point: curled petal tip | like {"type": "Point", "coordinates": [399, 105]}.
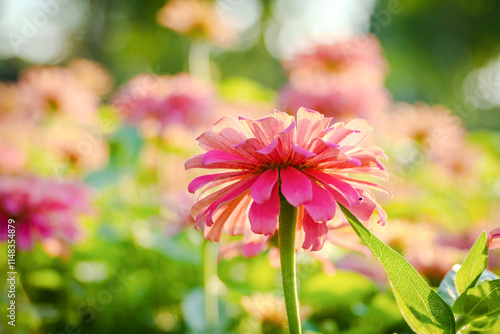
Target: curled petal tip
{"type": "Point", "coordinates": [494, 239]}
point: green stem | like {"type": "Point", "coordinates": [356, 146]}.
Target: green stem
{"type": "Point", "coordinates": [288, 223]}
{"type": "Point", "coordinates": [211, 285]}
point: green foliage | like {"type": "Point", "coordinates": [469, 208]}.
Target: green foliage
{"type": "Point", "coordinates": [422, 308]}
{"type": "Point", "coordinates": [474, 265]}
{"type": "Point", "coordinates": [480, 304]}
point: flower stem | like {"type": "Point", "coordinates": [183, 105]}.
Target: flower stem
{"type": "Point", "coordinates": [287, 226]}
{"type": "Point", "coordinates": [211, 285]}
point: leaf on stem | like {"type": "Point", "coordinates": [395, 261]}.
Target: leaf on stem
{"type": "Point", "coordinates": [422, 308]}
{"type": "Point", "coordinates": [474, 265]}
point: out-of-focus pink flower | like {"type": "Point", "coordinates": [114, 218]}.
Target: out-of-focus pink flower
{"type": "Point", "coordinates": [80, 148]}
{"type": "Point", "coordinates": [41, 209]}
{"type": "Point", "coordinates": [166, 99]}
{"type": "Point", "coordinates": [198, 19]}
{"type": "Point", "coordinates": [55, 90]}
{"type": "Point", "coordinates": [340, 101]}
{"type": "Point", "coordinates": [436, 130]}
{"type": "Point", "coordinates": [342, 80]}
{"type": "Point", "coordinates": [494, 239]}
{"type": "Point", "coordinates": [306, 160]}
{"type": "Point", "coordinates": [430, 249]}
{"type": "Point", "coordinates": [91, 75]}
{"type": "Point", "coordinates": [12, 103]}
{"type": "Point", "coordinates": [15, 142]}
{"type": "Point", "coordinates": [358, 59]}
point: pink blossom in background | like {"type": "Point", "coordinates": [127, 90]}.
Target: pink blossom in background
{"type": "Point", "coordinates": [340, 101]}
{"type": "Point", "coordinates": [166, 99]}
{"type": "Point", "coordinates": [56, 91]}
{"type": "Point", "coordinates": [81, 148]}
{"type": "Point", "coordinates": [91, 75]}
{"type": "Point", "coordinates": [359, 59]}
{"type": "Point", "coordinates": [42, 209]}
{"type": "Point", "coordinates": [198, 19]}
{"type": "Point", "coordinates": [12, 103]}
{"type": "Point", "coordinates": [15, 142]}
{"type": "Point", "coordinates": [343, 80]}
{"type": "Point", "coordinates": [306, 159]}
{"type": "Point", "coordinates": [436, 131]}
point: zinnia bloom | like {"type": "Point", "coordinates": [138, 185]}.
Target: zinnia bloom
{"type": "Point", "coordinates": [93, 76]}
{"type": "Point", "coordinates": [41, 209]}
{"type": "Point", "coordinates": [343, 80]}
{"type": "Point", "coordinates": [55, 90]}
{"type": "Point", "coordinates": [166, 99]}
{"type": "Point", "coordinates": [306, 161]}
{"type": "Point", "coordinates": [198, 19]}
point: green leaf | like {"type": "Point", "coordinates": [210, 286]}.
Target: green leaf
{"type": "Point", "coordinates": [474, 265]}
{"type": "Point", "coordinates": [482, 324]}
{"type": "Point", "coordinates": [448, 289]}
{"type": "Point", "coordinates": [422, 308]}
{"type": "Point", "coordinates": [480, 301]}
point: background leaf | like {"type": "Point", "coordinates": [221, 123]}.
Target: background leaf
{"type": "Point", "coordinates": [422, 308]}
{"type": "Point", "coordinates": [474, 265]}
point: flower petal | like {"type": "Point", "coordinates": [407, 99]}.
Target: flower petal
{"type": "Point", "coordinates": [264, 217]}
{"type": "Point", "coordinates": [262, 188]}
{"type": "Point", "coordinates": [315, 233]}
{"type": "Point", "coordinates": [494, 239]}
{"type": "Point", "coordinates": [347, 190]}
{"type": "Point", "coordinates": [322, 206]}
{"type": "Point", "coordinates": [295, 186]}
{"type": "Point", "coordinates": [200, 181]}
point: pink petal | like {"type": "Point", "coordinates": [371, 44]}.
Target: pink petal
{"type": "Point", "coordinates": [315, 233]}
{"type": "Point", "coordinates": [344, 188]}
{"type": "Point", "coordinates": [295, 186]}
{"type": "Point", "coordinates": [262, 188]}
{"type": "Point", "coordinates": [494, 239]}
{"type": "Point", "coordinates": [252, 249]}
{"type": "Point", "coordinates": [214, 156]}
{"type": "Point", "coordinates": [200, 181]}
{"type": "Point", "coordinates": [264, 217]}
{"type": "Point", "coordinates": [230, 129]}
{"type": "Point", "coordinates": [322, 206]}
{"type": "Point", "coordinates": [234, 191]}
{"type": "Point", "coordinates": [362, 129]}
{"type": "Point", "coordinates": [264, 129]}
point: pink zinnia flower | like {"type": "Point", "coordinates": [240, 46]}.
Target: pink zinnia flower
{"type": "Point", "coordinates": [93, 76]}
{"type": "Point", "coordinates": [357, 59]}
{"type": "Point", "coordinates": [306, 161]}
{"type": "Point", "coordinates": [166, 99]}
{"type": "Point", "coordinates": [55, 90]}
{"type": "Point", "coordinates": [198, 19]}
{"type": "Point", "coordinates": [41, 209]}
{"type": "Point", "coordinates": [343, 80]}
